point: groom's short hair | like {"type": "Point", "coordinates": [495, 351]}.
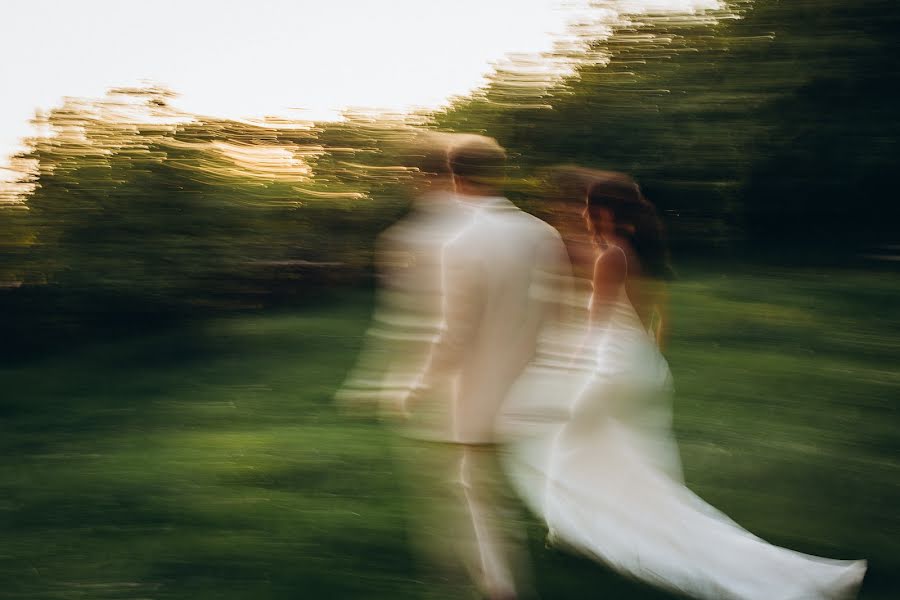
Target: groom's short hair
{"type": "Point", "coordinates": [479, 159]}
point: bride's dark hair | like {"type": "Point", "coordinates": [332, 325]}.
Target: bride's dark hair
{"type": "Point", "coordinates": [636, 219]}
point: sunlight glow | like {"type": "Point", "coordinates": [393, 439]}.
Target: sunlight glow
{"type": "Point", "coordinates": [297, 59]}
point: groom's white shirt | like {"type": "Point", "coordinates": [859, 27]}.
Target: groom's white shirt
{"type": "Point", "coordinates": [501, 275]}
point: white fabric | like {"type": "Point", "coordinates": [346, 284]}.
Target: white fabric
{"type": "Point", "coordinates": [499, 277]}
{"type": "Point", "coordinates": [500, 274]}
{"type": "Point", "coordinates": [607, 480]}
{"type": "Point", "coordinates": [408, 315]}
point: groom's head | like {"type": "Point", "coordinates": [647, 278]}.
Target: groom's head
{"type": "Point", "coordinates": [478, 165]}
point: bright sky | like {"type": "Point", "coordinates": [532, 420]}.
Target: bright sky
{"type": "Point", "coordinates": [250, 58]}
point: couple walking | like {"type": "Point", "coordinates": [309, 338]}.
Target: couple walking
{"type": "Point", "coordinates": [480, 343]}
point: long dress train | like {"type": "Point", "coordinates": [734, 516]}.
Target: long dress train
{"type": "Point", "coordinates": [607, 480]}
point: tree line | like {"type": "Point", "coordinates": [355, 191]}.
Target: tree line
{"type": "Point", "coordinates": [771, 124]}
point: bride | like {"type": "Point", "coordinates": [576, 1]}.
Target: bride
{"type": "Point", "coordinates": [607, 478]}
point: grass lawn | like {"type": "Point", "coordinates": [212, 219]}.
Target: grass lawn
{"type": "Point", "coordinates": [210, 462]}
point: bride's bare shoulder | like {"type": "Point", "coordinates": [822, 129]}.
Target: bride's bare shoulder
{"type": "Point", "coordinates": [611, 266]}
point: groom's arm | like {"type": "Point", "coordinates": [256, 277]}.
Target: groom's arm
{"type": "Point", "coordinates": [553, 287]}
{"type": "Point", "coordinates": [462, 292]}
{"type": "Point", "coordinates": [552, 284]}
{"type": "Point", "coordinates": [365, 385]}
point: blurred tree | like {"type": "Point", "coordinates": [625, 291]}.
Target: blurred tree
{"type": "Point", "coordinates": [762, 122]}
{"type": "Point", "coordinates": [824, 171]}
{"type": "Point", "coordinates": [132, 197]}
{"type": "Point", "coordinates": [769, 123]}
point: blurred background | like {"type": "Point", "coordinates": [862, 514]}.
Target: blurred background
{"type": "Point", "coordinates": [189, 201]}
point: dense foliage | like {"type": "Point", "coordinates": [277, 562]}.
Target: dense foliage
{"type": "Point", "coordinates": [769, 124]}
{"type": "Point", "coordinates": [778, 126]}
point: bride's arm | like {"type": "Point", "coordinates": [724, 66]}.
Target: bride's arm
{"type": "Point", "coordinates": [610, 271]}
{"type": "Point", "coordinates": [609, 274]}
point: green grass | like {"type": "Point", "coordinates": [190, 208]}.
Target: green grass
{"type": "Point", "coordinates": [210, 462]}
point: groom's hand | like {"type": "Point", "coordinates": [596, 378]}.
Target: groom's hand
{"type": "Point", "coordinates": [356, 401]}
{"type": "Point", "coordinates": [412, 400]}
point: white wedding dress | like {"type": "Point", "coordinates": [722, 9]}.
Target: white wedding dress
{"type": "Point", "coordinates": [607, 480]}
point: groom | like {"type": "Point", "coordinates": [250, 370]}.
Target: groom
{"type": "Point", "coordinates": [498, 288]}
